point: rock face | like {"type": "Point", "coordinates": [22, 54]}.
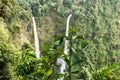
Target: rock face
{"type": "Point", "coordinates": [51, 26]}
{"type": "Point", "coordinates": [25, 37]}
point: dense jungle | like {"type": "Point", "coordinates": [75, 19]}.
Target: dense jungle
{"type": "Point", "coordinates": [93, 36]}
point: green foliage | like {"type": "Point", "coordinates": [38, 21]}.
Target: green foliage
{"type": "Point", "coordinates": [4, 33]}
{"type": "Point", "coordinates": [109, 73]}
{"type": "Point", "coordinates": [77, 44]}
{"type": "Point", "coordinates": [9, 8]}
{"type": "Point", "coordinates": [94, 56]}
{"type": "Point", "coordinates": [28, 67]}
{"type": "Point", "coordinates": [5, 60]}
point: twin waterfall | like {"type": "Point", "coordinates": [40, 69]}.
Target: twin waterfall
{"type": "Point", "coordinates": [66, 49]}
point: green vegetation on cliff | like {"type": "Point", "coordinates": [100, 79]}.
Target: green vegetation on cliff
{"type": "Point", "coordinates": [94, 56]}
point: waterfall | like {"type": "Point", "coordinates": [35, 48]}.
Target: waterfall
{"type": "Point", "coordinates": [66, 49]}
{"type": "Point", "coordinates": [36, 40]}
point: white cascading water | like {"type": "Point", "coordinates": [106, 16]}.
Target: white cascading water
{"type": "Point", "coordinates": [36, 40]}
{"type": "Point", "coordinates": [66, 49]}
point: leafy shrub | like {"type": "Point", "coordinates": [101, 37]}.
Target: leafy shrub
{"type": "Point", "coordinates": [5, 59]}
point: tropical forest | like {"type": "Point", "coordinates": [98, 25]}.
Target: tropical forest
{"type": "Point", "coordinates": [59, 39]}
